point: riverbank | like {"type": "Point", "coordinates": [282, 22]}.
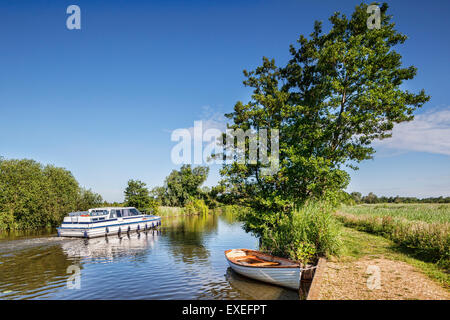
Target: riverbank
{"type": "Point", "coordinates": [373, 268]}
{"type": "Point", "coordinates": [422, 229]}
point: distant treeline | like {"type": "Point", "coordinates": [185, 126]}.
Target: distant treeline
{"type": "Point", "coordinates": [373, 198]}
{"type": "Point", "coordinates": [33, 195]}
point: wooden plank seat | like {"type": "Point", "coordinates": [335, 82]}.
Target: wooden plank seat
{"type": "Point", "coordinates": [255, 261]}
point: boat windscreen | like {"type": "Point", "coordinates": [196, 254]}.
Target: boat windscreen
{"type": "Point", "coordinates": [78, 213]}
{"type": "Point", "coordinates": [98, 212]}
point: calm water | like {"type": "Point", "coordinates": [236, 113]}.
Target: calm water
{"type": "Point", "coordinates": [183, 260]}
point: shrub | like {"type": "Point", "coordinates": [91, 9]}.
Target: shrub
{"type": "Point", "coordinates": [310, 232]}
{"type": "Point", "coordinates": [153, 207]}
{"type": "Point", "coordinates": [195, 206]}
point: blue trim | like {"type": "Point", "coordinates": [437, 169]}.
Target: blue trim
{"type": "Point", "coordinates": [111, 225]}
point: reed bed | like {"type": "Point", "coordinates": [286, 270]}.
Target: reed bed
{"type": "Point", "coordinates": [430, 212]}
{"type": "Point", "coordinates": [164, 211]}
{"type": "Point", "coordinates": [426, 233]}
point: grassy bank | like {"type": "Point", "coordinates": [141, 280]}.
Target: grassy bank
{"type": "Point", "coordinates": [356, 245]}
{"type": "Point", "coordinates": [401, 276]}
{"type": "Point", "coordinates": [422, 229]}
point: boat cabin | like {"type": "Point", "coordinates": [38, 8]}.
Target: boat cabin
{"type": "Point", "coordinates": [100, 214]}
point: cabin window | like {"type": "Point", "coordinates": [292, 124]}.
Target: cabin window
{"type": "Point", "coordinates": [126, 212]}
{"type": "Point", "coordinates": [113, 214]}
{"type": "Point", "coordinates": [134, 212]}
{"type": "Point", "coordinates": [119, 213]}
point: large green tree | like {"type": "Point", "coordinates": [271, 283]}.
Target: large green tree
{"type": "Point", "coordinates": [33, 195]}
{"type": "Point", "coordinates": [137, 195]}
{"type": "Point", "coordinates": [338, 93]}
{"type": "Point", "coordinates": [181, 185]}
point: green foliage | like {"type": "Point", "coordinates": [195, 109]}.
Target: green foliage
{"type": "Point", "coordinates": [88, 199]}
{"type": "Point", "coordinates": [153, 207]}
{"type": "Point", "coordinates": [338, 93]}
{"type": "Point", "coordinates": [33, 195]}
{"type": "Point", "coordinates": [356, 196]}
{"type": "Point", "coordinates": [195, 206]}
{"type": "Point", "coordinates": [182, 185]}
{"type": "Point", "coordinates": [138, 196]}
{"type": "Point", "coordinates": [309, 233]}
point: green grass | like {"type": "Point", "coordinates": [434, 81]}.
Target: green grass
{"type": "Point", "coordinates": [357, 244]}
{"type": "Point", "coordinates": [422, 229]}
{"type": "Point", "coordinates": [433, 212]}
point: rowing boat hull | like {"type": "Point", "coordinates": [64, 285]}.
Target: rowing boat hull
{"type": "Point", "coordinates": [285, 277]}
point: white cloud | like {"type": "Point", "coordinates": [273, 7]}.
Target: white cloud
{"type": "Point", "coordinates": [428, 132]}
{"type": "Point", "coordinates": [210, 119]}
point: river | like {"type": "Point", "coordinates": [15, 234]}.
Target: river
{"type": "Point", "coordinates": [184, 259]}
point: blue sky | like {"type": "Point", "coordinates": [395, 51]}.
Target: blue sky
{"type": "Point", "coordinates": [102, 101]}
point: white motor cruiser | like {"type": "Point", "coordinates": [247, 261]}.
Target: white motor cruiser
{"type": "Point", "coordinates": [104, 221]}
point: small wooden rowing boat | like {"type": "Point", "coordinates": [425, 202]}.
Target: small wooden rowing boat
{"type": "Point", "coordinates": [265, 267]}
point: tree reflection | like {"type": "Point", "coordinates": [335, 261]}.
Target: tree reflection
{"type": "Point", "coordinates": [30, 271]}
{"type": "Point", "coordinates": [186, 236]}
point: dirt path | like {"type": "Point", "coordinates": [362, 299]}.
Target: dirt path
{"type": "Point", "coordinates": [374, 278]}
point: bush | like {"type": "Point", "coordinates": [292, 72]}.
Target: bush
{"type": "Point", "coordinates": [310, 232]}
{"type": "Point", "coordinates": [152, 207]}
{"type": "Point", "coordinates": [195, 206]}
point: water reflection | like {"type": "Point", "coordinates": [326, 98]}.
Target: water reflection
{"type": "Point", "coordinates": [31, 270]}
{"type": "Point", "coordinates": [182, 260]}
{"type": "Point", "coordinates": [186, 237]}
{"type": "Point", "coordinates": [109, 248]}
{"type": "Point", "coordinates": [256, 290]}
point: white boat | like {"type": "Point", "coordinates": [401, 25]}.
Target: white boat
{"type": "Point", "coordinates": [104, 221]}
{"type": "Point", "coordinates": [264, 267]}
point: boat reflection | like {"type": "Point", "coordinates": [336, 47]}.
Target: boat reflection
{"type": "Point", "coordinates": [252, 289]}
{"type": "Point", "coordinates": [112, 247]}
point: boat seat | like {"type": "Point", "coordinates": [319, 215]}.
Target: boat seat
{"type": "Point", "coordinates": [236, 254]}
{"type": "Point", "coordinates": [255, 261]}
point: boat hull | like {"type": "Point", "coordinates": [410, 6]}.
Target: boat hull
{"type": "Point", "coordinates": [285, 277]}
{"type": "Point", "coordinates": [108, 227]}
